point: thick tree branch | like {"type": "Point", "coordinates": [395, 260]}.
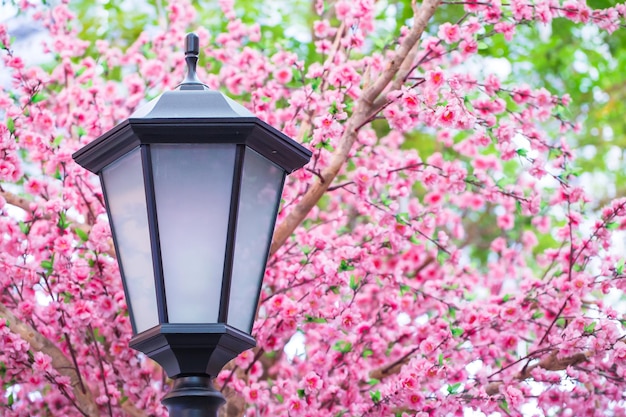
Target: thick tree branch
{"type": "Point", "coordinates": [15, 200]}
{"type": "Point", "coordinates": [363, 110]}
{"type": "Point", "coordinates": [550, 363]}
{"type": "Point", "coordinates": [132, 411]}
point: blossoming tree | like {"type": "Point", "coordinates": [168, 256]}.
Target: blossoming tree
{"type": "Point", "coordinates": [439, 254]}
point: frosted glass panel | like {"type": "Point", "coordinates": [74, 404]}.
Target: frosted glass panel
{"type": "Point", "coordinates": [260, 192]}
{"type": "Point", "coordinates": [192, 185]}
{"type": "Point", "coordinates": [123, 181]}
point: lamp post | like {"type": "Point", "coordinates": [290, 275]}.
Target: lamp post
{"type": "Point", "coordinates": [192, 183]}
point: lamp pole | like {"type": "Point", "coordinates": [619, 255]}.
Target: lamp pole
{"type": "Point", "coordinates": [192, 184]}
{"type": "Point", "coordinates": [193, 396]}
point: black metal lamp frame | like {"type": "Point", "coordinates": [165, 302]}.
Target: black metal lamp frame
{"type": "Point", "coordinates": [192, 354]}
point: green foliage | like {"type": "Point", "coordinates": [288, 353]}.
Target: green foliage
{"type": "Point", "coordinates": [342, 346]}
{"type": "Point", "coordinates": [82, 235]}
{"type": "Point", "coordinates": [345, 266]}
{"type": "Point", "coordinates": [454, 388]}
{"type": "Point", "coordinates": [589, 328]}
{"type": "Point", "coordinates": [456, 331]}
{"type": "Point", "coordinates": [375, 396]}
{"type": "Point", "coordinates": [117, 22]}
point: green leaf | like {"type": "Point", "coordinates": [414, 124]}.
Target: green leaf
{"type": "Point", "coordinates": [373, 381]}
{"type": "Point", "coordinates": [57, 141]}
{"type": "Point", "coordinates": [367, 352]}
{"type": "Point", "coordinates": [403, 218]}
{"type": "Point", "coordinates": [554, 153]}
{"type": "Point", "coordinates": [375, 396]}
{"type": "Point", "coordinates": [280, 398]}
{"type": "Point", "coordinates": [506, 298]}
{"type": "Point", "coordinates": [414, 240]}
{"type": "Point", "coordinates": [404, 289]}
{"type": "Point", "coordinates": [537, 314]}
{"type": "Point", "coordinates": [456, 331]}
{"type": "Point", "coordinates": [10, 400]}
{"type": "Point", "coordinates": [96, 334]}
{"type": "Point", "coordinates": [345, 266]}
{"type": "Point", "coordinates": [469, 296]}
{"type": "Point", "coordinates": [354, 283]}
{"type": "Point", "coordinates": [522, 152]}
{"type": "Point", "coordinates": [328, 146]}
{"type": "Point", "coordinates": [612, 225]}
{"type": "Point", "coordinates": [589, 328]}
{"type": "Point", "coordinates": [82, 235]}
{"type": "Point", "coordinates": [301, 393]}
{"type": "Point", "coordinates": [452, 389]}
{"type": "Point", "coordinates": [619, 267]}
{"type": "Point", "coordinates": [503, 182]}
{"type": "Point", "coordinates": [576, 171]}
{"type": "Point", "coordinates": [454, 286]}
{"type": "Point", "coordinates": [440, 359]}
{"type": "Point", "coordinates": [504, 406]}
{"type": "Point", "coordinates": [57, 174]}
{"type": "Point", "coordinates": [11, 125]}
{"type": "Point", "coordinates": [442, 256]}
{"type": "Point", "coordinates": [38, 97]}
{"type": "Point", "coordinates": [343, 346]}
{"type": "Point", "coordinates": [47, 264]}
{"type": "Point", "coordinates": [63, 223]}
{"type": "Point", "coordinates": [311, 319]}
{"type": "Point", "coordinates": [24, 227]}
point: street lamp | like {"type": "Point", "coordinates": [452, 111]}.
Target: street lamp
{"type": "Point", "coordinates": [192, 183]}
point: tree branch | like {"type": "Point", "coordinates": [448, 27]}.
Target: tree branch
{"type": "Point", "coordinates": [363, 110]}
{"type": "Point", "coordinates": [15, 200]}
{"type": "Point", "coordinates": [551, 363]}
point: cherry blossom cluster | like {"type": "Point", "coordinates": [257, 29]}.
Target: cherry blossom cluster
{"type": "Point", "coordinates": [454, 263]}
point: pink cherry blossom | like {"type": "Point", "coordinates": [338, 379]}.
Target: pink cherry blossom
{"type": "Point", "coordinates": [448, 255]}
{"type": "Point", "coordinates": [450, 33]}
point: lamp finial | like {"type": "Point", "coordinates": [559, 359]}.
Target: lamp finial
{"type": "Point", "coordinates": [192, 49]}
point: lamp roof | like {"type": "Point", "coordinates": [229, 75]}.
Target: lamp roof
{"type": "Point", "coordinates": [193, 113]}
